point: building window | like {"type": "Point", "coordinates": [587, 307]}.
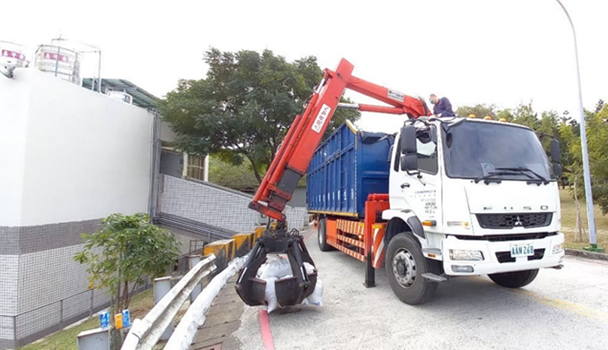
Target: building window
{"type": "Point", "coordinates": [196, 167]}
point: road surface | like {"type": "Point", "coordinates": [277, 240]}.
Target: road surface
{"type": "Point", "coordinates": [561, 309]}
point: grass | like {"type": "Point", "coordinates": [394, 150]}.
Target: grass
{"type": "Point", "coordinates": [66, 339]}
{"type": "Point", "coordinates": [569, 222]}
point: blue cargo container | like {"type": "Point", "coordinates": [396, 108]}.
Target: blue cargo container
{"type": "Point", "coordinates": [347, 167]}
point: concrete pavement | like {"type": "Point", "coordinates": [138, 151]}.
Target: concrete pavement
{"type": "Point", "coordinates": [561, 309]}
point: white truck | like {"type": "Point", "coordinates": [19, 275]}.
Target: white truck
{"type": "Point", "coordinates": [470, 197]}
{"type": "Point", "coordinates": [439, 198]}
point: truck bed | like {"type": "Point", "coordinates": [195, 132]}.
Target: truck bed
{"type": "Point", "coordinates": [345, 168]}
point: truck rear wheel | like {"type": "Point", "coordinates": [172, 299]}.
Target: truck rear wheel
{"type": "Point", "coordinates": [322, 236]}
{"type": "Point", "coordinates": [514, 279]}
{"type": "Point", "coordinates": [405, 265]}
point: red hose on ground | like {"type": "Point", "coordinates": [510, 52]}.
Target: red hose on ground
{"type": "Point", "coordinates": [265, 329]}
{"type": "Point", "coordinates": [265, 321]}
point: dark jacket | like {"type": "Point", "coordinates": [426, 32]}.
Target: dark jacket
{"type": "Point", "coordinates": [443, 107]}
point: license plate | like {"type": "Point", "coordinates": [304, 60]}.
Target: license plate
{"type": "Point", "coordinates": [518, 250]}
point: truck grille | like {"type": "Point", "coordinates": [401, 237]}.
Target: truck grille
{"type": "Point", "coordinates": [502, 221]}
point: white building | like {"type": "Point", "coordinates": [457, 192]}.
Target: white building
{"type": "Point", "coordinates": [71, 156]}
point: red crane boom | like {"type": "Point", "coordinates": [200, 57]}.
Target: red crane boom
{"type": "Point", "coordinates": [305, 134]}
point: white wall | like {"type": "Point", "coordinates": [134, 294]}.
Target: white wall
{"type": "Point", "coordinates": [14, 96]}
{"type": "Point", "coordinates": [166, 133]}
{"type": "Point", "coordinates": [85, 155]}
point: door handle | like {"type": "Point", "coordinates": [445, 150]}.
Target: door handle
{"type": "Point", "coordinates": [405, 184]}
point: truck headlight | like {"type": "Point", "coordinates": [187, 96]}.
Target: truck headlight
{"type": "Point", "coordinates": [558, 248]}
{"type": "Point", "coordinates": [458, 254]}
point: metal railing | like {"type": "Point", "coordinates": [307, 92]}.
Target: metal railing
{"type": "Point", "coordinates": [195, 316]}
{"type": "Point", "coordinates": [26, 327]}
{"type": "Point", "coordinates": [145, 334]}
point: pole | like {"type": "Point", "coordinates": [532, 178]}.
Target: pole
{"type": "Point", "coordinates": [206, 169]}
{"type": "Point", "coordinates": [99, 71]}
{"type": "Point", "coordinates": [586, 171]}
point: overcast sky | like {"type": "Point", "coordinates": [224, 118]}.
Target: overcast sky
{"type": "Point", "coordinates": [472, 51]}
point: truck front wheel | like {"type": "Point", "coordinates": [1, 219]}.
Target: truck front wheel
{"type": "Point", "coordinates": [405, 265]}
{"type": "Point", "coordinates": [514, 279]}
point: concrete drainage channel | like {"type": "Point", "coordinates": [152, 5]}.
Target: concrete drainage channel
{"type": "Point", "coordinates": [588, 255]}
{"type": "Point", "coordinates": [224, 258]}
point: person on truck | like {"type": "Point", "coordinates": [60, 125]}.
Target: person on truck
{"type": "Point", "coordinates": [442, 106]}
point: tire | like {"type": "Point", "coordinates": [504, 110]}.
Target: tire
{"type": "Point", "coordinates": [516, 279]}
{"type": "Point", "coordinates": [405, 265]}
{"type": "Point", "coordinates": [322, 236]}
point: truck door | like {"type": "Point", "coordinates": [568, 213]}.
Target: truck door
{"type": "Point", "coordinates": [419, 191]}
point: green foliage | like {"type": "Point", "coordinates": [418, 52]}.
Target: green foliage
{"type": "Point", "coordinates": [237, 177]}
{"type": "Point", "coordinates": [126, 250]}
{"type": "Point", "coordinates": [244, 106]}
{"type": "Point", "coordinates": [525, 115]}
{"type": "Point", "coordinates": [479, 110]}
{"type": "Point", "coordinates": [597, 144]}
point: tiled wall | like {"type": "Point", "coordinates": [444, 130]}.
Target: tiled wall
{"type": "Point", "coordinates": [8, 281]}
{"type": "Point", "coordinates": [30, 239]}
{"type": "Point", "coordinates": [48, 276]}
{"type": "Point", "coordinates": [37, 272]}
{"type": "Point", "coordinates": [216, 206]}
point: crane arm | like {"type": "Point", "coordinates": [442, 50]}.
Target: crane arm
{"type": "Point", "coordinates": [306, 132]}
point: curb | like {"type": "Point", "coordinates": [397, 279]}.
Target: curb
{"type": "Point", "coordinates": [586, 254]}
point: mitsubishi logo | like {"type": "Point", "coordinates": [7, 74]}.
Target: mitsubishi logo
{"type": "Point", "coordinates": [518, 222]}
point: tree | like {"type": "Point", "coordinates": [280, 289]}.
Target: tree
{"type": "Point", "coordinates": [505, 114]}
{"type": "Point", "coordinates": [479, 110]}
{"type": "Point", "coordinates": [525, 115]}
{"type": "Point", "coordinates": [600, 104]}
{"type": "Point", "coordinates": [237, 177]}
{"type": "Point", "coordinates": [597, 144]}
{"type": "Point", "coordinates": [126, 250]}
{"type": "Point", "coordinates": [548, 128]}
{"type": "Point", "coordinates": [244, 106]}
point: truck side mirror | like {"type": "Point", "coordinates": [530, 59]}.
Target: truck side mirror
{"type": "Point", "coordinates": [555, 153]}
{"type": "Point", "coordinates": [409, 149]}
{"type": "Point", "coordinates": [408, 140]}
{"type": "Point", "coordinates": [557, 170]}
{"type": "Point", "coordinates": [409, 162]}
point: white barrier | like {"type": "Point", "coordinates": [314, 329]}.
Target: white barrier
{"type": "Point", "coordinates": [195, 316]}
{"type": "Point", "coordinates": [145, 333]}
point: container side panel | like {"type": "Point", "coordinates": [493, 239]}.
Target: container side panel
{"type": "Point", "coordinates": [345, 169]}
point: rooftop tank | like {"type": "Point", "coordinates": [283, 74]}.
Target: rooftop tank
{"type": "Point", "coordinates": [59, 61]}
{"type": "Point", "coordinates": [11, 54]}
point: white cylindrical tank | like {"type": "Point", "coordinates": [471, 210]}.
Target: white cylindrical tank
{"type": "Point", "coordinates": [121, 96]}
{"type": "Point", "coordinates": [59, 61]}
{"type": "Point", "coordinates": [11, 54]}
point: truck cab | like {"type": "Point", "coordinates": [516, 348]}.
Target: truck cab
{"type": "Point", "coordinates": [473, 197]}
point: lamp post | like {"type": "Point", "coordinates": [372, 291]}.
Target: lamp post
{"type": "Point", "coordinates": [98, 51]}
{"type": "Point", "coordinates": [586, 171]}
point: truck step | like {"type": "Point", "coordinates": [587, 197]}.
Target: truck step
{"type": "Point", "coordinates": [433, 277]}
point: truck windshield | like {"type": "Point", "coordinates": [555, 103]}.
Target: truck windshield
{"type": "Point", "coordinates": [502, 151]}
